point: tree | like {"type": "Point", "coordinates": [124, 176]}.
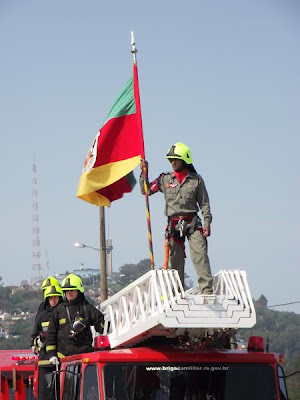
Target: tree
{"type": "Point", "coordinates": [262, 301]}
{"type": "Point", "coordinates": [131, 272]}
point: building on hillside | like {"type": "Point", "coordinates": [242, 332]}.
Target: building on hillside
{"type": "Point", "coordinates": [86, 272]}
{"type": "Point", "coordinates": [5, 316]}
{"type": "Point", "coordinates": [4, 333]}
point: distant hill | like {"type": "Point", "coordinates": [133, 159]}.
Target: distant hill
{"type": "Point", "coordinates": [282, 331]}
{"type": "Point", "coordinates": [280, 328]}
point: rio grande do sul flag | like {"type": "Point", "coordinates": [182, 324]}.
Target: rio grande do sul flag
{"type": "Point", "coordinates": [116, 150]}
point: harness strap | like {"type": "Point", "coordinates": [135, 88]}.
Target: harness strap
{"type": "Point", "coordinates": [182, 226]}
{"type": "Point", "coordinates": [69, 317]}
{"type": "Point", "coordinates": [80, 318]}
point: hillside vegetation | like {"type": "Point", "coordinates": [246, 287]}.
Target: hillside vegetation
{"type": "Point", "coordinates": [281, 330]}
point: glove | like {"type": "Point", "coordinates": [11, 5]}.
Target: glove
{"type": "Point", "coordinates": [54, 360]}
{"type": "Point", "coordinates": [35, 350]}
{"type": "Point", "coordinates": [39, 342]}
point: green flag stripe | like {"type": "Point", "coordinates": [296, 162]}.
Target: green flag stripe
{"type": "Point", "coordinates": [125, 103]}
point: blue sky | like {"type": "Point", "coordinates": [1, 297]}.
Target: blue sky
{"type": "Point", "coordinates": [222, 76]}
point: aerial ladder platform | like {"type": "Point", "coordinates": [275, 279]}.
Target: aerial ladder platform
{"type": "Point", "coordinates": [156, 304]}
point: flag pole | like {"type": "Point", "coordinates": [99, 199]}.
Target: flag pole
{"type": "Point", "coordinates": [145, 172]}
{"type": "Point", "coordinates": [103, 258]}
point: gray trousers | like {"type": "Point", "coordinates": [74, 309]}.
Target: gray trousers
{"type": "Point", "coordinates": [198, 251]}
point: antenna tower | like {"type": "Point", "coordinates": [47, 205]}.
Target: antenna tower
{"type": "Point", "coordinates": [36, 253]}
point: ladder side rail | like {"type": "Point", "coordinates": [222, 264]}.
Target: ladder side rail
{"type": "Point", "coordinates": [121, 316]}
{"type": "Point", "coordinates": [151, 300]}
{"type": "Point", "coordinates": [228, 289]}
{"type": "Point", "coordinates": [139, 282]}
{"type": "Point", "coordinates": [225, 289]}
{"type": "Point", "coordinates": [112, 319]}
{"type": "Point", "coordinates": [178, 280]}
{"type": "Point", "coordinates": [114, 315]}
{"type": "Point", "coordinates": [241, 288]}
{"type": "Point", "coordinates": [125, 305]}
{"type": "Point", "coordinates": [141, 304]}
{"type": "Point", "coordinates": [152, 295]}
{"type": "Point", "coordinates": [114, 309]}
{"type": "Point", "coordinates": [164, 295]}
{"type": "Point", "coordinates": [170, 287]}
{"type": "Point", "coordinates": [134, 307]}
{"type": "Point", "coordinates": [217, 286]}
{"type": "Point", "coordinates": [230, 283]}
{"type": "Point", "coordinates": [147, 295]}
{"type": "Point", "coordinates": [106, 326]}
{"type": "Point", "coordinates": [222, 283]}
{"type": "Point", "coordinates": [156, 305]}
{"type": "Point", "coordinates": [246, 286]}
{"type": "Point", "coordinates": [118, 311]}
{"type": "Point", "coordinates": [137, 311]}
{"type": "Point", "coordinates": [177, 284]}
{"type": "Point", "coordinates": [237, 286]}
{"type": "Point", "coordinates": [134, 310]}
{"type": "Point", "coordinates": [171, 276]}
{"type": "Point", "coordinates": [129, 304]}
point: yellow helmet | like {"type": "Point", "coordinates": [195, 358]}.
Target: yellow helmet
{"type": "Point", "coordinates": [53, 290]}
{"type": "Point", "coordinates": [180, 151]}
{"type": "Point", "coordinates": [49, 281]}
{"type": "Point", "coordinates": [72, 282]}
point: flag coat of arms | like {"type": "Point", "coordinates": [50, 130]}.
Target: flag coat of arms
{"type": "Point", "coordinates": [116, 150]}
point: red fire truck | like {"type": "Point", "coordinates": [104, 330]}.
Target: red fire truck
{"type": "Point", "coordinates": [174, 371]}
{"type": "Point", "coordinates": [166, 343]}
{"type": "Point", "coordinates": [16, 374]}
{"type": "Point", "coordinates": [163, 343]}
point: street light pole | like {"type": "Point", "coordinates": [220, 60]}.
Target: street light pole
{"type": "Point", "coordinates": [82, 246]}
{"type": "Point", "coordinates": [102, 253]}
{"type": "Point", "coordinates": [103, 278]}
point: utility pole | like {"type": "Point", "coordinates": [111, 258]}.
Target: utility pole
{"type": "Point", "coordinates": [103, 278]}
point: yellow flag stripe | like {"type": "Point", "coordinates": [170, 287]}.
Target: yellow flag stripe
{"type": "Point", "coordinates": [101, 177]}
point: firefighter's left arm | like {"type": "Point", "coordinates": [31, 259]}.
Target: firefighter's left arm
{"type": "Point", "coordinates": [35, 332]}
{"type": "Point", "coordinates": [203, 201]}
{"type": "Point", "coordinates": [35, 337]}
{"type": "Point", "coordinates": [96, 319]}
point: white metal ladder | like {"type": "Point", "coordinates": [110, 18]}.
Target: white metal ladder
{"type": "Point", "coordinates": [156, 304]}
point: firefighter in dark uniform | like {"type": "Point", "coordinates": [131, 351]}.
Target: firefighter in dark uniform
{"type": "Point", "coordinates": [69, 330]}
{"type": "Point", "coordinates": [185, 194]}
{"type": "Point", "coordinates": [53, 296]}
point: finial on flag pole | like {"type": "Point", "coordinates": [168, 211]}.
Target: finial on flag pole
{"type": "Point", "coordinates": [133, 48]}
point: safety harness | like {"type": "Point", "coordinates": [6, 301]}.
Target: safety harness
{"type": "Point", "coordinates": [181, 226]}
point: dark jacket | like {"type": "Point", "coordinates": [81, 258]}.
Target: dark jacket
{"type": "Point", "coordinates": [59, 340]}
{"type": "Point", "coordinates": [42, 307]}
{"type": "Point", "coordinates": [40, 330]}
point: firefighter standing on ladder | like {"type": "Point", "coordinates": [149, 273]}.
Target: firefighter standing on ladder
{"type": "Point", "coordinates": [185, 194]}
